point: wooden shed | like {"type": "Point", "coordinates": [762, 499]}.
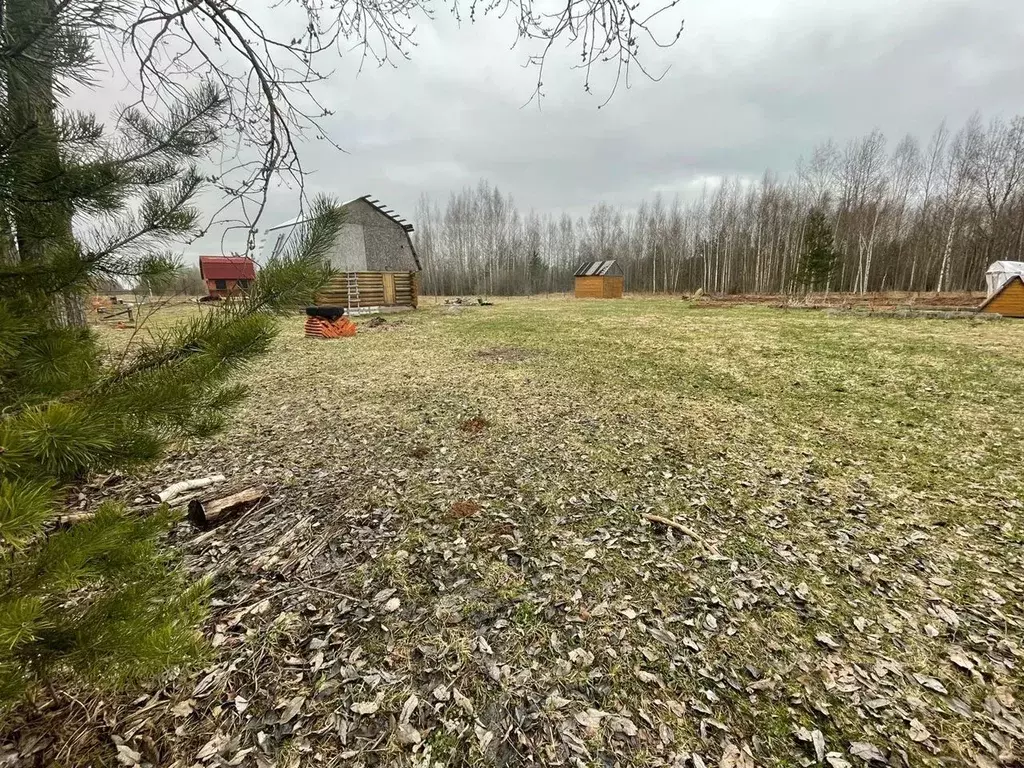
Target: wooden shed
{"type": "Point", "coordinates": [376, 262]}
{"type": "Point", "coordinates": [1008, 300]}
{"type": "Point", "coordinates": [227, 276]}
{"type": "Point", "coordinates": [599, 280]}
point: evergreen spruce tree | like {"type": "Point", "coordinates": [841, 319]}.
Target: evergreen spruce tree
{"type": "Point", "coordinates": [101, 599]}
{"type": "Point", "coordinates": [819, 257]}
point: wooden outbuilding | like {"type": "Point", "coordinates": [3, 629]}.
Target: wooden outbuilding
{"type": "Point", "coordinates": [227, 276]}
{"type": "Point", "coordinates": [599, 280]}
{"type": "Point", "coordinates": [1008, 300]}
{"type": "Point", "coordinates": [374, 255]}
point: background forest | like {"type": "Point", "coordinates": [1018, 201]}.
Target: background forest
{"type": "Point", "coordinates": [910, 215]}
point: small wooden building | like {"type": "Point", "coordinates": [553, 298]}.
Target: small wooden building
{"type": "Point", "coordinates": [227, 276]}
{"type": "Point", "coordinates": [376, 261]}
{"type": "Point", "coordinates": [1008, 300]}
{"type": "Point", "coordinates": [599, 280]}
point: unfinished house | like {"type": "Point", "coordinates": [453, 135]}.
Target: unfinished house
{"type": "Point", "coordinates": [374, 256]}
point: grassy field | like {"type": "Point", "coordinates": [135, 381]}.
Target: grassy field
{"type": "Point", "coordinates": [456, 568]}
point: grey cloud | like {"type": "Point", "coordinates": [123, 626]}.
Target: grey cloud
{"type": "Point", "coordinates": [749, 86]}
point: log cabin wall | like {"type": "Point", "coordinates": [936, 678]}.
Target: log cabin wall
{"type": "Point", "coordinates": [376, 289]}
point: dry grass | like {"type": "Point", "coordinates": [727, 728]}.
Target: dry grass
{"type": "Point", "coordinates": [426, 593]}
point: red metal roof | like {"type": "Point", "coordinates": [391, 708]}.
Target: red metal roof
{"type": "Point", "coordinates": [227, 268]}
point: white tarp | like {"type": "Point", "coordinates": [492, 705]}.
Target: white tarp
{"type": "Point", "coordinates": [1001, 271]}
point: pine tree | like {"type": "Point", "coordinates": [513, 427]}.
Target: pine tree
{"type": "Point", "coordinates": [818, 257]}
{"type": "Point", "coordinates": [102, 599]}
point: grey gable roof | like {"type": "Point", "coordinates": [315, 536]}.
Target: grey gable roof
{"type": "Point", "coordinates": [598, 269]}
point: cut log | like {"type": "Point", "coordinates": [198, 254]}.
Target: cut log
{"type": "Point", "coordinates": [207, 514]}
{"type": "Point", "coordinates": [179, 488]}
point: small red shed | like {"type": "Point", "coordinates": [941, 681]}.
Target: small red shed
{"type": "Point", "coordinates": [227, 275]}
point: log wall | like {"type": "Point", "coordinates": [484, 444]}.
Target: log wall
{"type": "Point", "coordinates": [371, 290]}
{"type": "Point", "coordinates": [599, 287]}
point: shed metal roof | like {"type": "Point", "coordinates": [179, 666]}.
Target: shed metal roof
{"type": "Point", "coordinates": [598, 269]}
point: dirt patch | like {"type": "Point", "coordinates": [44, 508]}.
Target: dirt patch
{"type": "Point", "coordinates": [462, 509]}
{"type": "Point", "coordinates": [475, 425]}
{"type": "Point", "coordinates": [506, 354]}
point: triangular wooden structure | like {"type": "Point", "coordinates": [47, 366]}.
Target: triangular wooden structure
{"type": "Point", "coordinates": [1008, 301]}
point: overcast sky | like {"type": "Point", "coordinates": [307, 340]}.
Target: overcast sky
{"type": "Point", "coordinates": [750, 85]}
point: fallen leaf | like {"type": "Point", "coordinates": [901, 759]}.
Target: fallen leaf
{"type": "Point", "coordinates": [590, 718]}
{"type": "Point", "coordinates": [662, 635]}
{"type": "Point", "coordinates": [818, 740]}
{"type": "Point", "coordinates": [127, 756]}
{"type": "Point", "coordinates": [734, 757]}
{"type": "Point", "coordinates": [590, 554]}
{"type": "Point", "coordinates": [212, 747]}
{"type": "Point", "coordinates": [836, 760]}
{"type": "Point", "coordinates": [826, 639]}
{"type": "Point", "coordinates": [581, 656]}
{"type": "Point", "coordinates": [365, 707]}
{"type": "Point", "coordinates": [948, 615]}
{"type": "Point", "coordinates": [959, 658]}
{"type": "Point", "coordinates": [554, 701]}
{"type": "Point", "coordinates": [291, 709]}
{"type": "Point", "coordinates": [483, 736]}
{"type": "Point", "coordinates": [408, 708]}
{"type": "Point", "coordinates": [648, 677]}
{"type": "Point", "coordinates": [464, 703]}
{"type": "Point", "coordinates": [183, 708]}
{"type": "Point", "coordinates": [408, 735]}
{"type": "Point", "coordinates": [1005, 696]}
{"type": "Point", "coordinates": [622, 725]}
{"type": "Point", "coordinates": [930, 682]}
{"type": "Point", "coordinates": [918, 732]}
{"type": "Point", "coordinates": [867, 751]}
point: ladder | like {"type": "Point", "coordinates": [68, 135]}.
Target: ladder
{"type": "Point", "coordinates": [352, 286]}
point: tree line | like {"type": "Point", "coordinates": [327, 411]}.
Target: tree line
{"type": "Point", "coordinates": [908, 215]}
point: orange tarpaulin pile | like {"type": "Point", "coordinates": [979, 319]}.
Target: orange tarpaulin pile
{"type": "Point", "coordinates": [322, 328]}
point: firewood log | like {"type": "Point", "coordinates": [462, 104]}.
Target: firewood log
{"type": "Point", "coordinates": [207, 514]}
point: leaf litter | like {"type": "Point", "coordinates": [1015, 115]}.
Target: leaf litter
{"type": "Point", "coordinates": [462, 563]}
